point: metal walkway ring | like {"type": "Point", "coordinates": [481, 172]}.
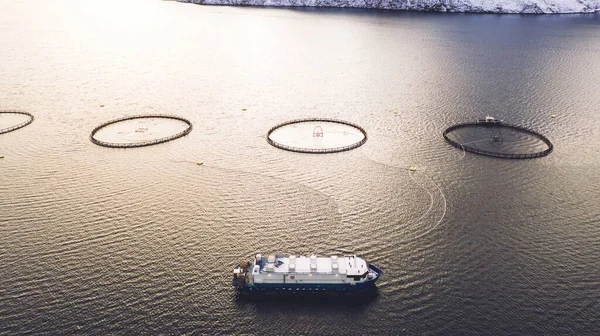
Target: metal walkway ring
{"type": "Point", "coordinates": [144, 143]}
{"type": "Point", "coordinates": [316, 150]}
{"type": "Point", "coordinates": [20, 125]}
{"type": "Point", "coordinates": [498, 154]}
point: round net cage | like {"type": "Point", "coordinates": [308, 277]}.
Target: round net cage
{"type": "Point", "coordinates": [140, 130]}
{"type": "Point", "coordinates": [492, 137]}
{"type": "Point", "coordinates": [316, 135]}
{"type": "Point", "coordinates": [11, 120]}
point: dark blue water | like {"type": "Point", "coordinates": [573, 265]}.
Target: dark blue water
{"type": "Point", "coordinates": [98, 241]}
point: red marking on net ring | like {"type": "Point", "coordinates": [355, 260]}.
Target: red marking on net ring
{"type": "Point", "coordinates": [318, 132]}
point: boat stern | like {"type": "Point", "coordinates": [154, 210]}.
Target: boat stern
{"type": "Point", "coordinates": [240, 275]}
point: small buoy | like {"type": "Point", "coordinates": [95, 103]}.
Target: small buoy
{"type": "Point", "coordinates": [199, 163]}
{"type": "Point", "coordinates": [101, 105]}
{"type": "Point", "coordinates": [396, 112]}
{"type": "Point", "coordinates": [244, 109]}
{"type": "Point", "coordinates": [553, 116]}
{"type": "Point", "coordinates": [412, 169]}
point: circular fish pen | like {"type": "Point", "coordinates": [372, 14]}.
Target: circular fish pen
{"type": "Point", "coordinates": [139, 131]}
{"type": "Point", "coordinates": [14, 120]}
{"type": "Point", "coordinates": [491, 137]}
{"type": "Point", "coordinates": [316, 135]}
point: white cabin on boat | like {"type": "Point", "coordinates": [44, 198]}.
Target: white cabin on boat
{"type": "Point", "coordinates": [301, 269]}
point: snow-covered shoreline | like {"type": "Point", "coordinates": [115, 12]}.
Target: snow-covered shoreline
{"type": "Point", "coordinates": [457, 6]}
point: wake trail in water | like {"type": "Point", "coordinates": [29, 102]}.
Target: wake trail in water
{"type": "Point", "coordinates": [337, 207]}
{"type": "Point", "coordinates": [340, 226]}
{"type": "Point", "coordinates": [439, 190]}
{"type": "Point", "coordinates": [445, 207]}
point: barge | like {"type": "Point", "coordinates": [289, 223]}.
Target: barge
{"type": "Point", "coordinates": [293, 274]}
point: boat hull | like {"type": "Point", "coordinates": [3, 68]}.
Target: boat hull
{"type": "Point", "coordinates": [308, 287]}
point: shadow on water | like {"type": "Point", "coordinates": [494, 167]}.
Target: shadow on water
{"type": "Point", "coordinates": [306, 313]}
{"type": "Point", "coordinates": [355, 302]}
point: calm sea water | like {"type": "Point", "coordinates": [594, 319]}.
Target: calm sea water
{"type": "Point", "coordinates": [98, 241]}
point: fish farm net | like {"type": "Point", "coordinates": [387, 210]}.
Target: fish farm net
{"type": "Point", "coordinates": [498, 140]}
{"type": "Point", "coordinates": [316, 135]}
{"type": "Point", "coordinates": [13, 120]}
{"type": "Point", "coordinates": [140, 130]}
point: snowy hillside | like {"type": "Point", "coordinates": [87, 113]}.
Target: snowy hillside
{"type": "Point", "coordinates": [481, 6]}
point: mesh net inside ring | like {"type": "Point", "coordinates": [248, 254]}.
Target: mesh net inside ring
{"type": "Point", "coordinates": [140, 130]}
{"type": "Point", "coordinates": [495, 138]}
{"type": "Point", "coordinates": [316, 135]}
{"type": "Point", "coordinates": [11, 120]}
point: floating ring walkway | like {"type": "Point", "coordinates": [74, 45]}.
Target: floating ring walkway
{"type": "Point", "coordinates": [143, 143]}
{"type": "Point", "coordinates": [475, 150]}
{"type": "Point", "coordinates": [316, 150]}
{"type": "Point", "coordinates": [16, 127]}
